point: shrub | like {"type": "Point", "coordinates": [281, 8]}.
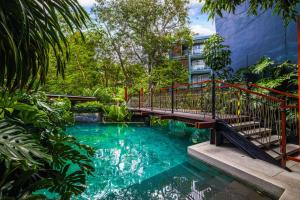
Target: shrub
{"type": "Point", "coordinates": [89, 107]}
{"type": "Point", "coordinates": [104, 95]}
{"type": "Point", "coordinates": [118, 113]}
{"type": "Point", "coordinates": [35, 151]}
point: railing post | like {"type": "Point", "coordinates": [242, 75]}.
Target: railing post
{"type": "Point", "coordinates": [172, 97]}
{"type": "Point", "coordinates": [283, 133]}
{"type": "Point", "coordinates": [125, 94]}
{"type": "Point", "coordinates": [151, 98]}
{"type": "Point", "coordinates": [159, 98]}
{"type": "Point", "coordinates": [141, 98]}
{"type": "Point", "coordinates": [213, 97]}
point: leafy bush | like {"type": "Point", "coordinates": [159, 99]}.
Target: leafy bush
{"type": "Point", "coordinates": [117, 113]}
{"type": "Point", "coordinates": [104, 95]}
{"type": "Point", "coordinates": [108, 96]}
{"type": "Point", "coordinates": [266, 72]}
{"type": "Point", "coordinates": [35, 152]}
{"type": "Point", "coordinates": [90, 107]}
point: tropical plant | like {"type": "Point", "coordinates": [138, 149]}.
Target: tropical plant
{"type": "Point", "coordinates": [28, 31]}
{"type": "Point", "coordinates": [89, 107]}
{"type": "Point", "coordinates": [35, 151]}
{"type": "Point", "coordinates": [118, 113]}
{"type": "Point", "coordinates": [266, 72]}
{"type": "Point", "coordinates": [217, 55]}
{"type": "Point", "coordinates": [286, 9]}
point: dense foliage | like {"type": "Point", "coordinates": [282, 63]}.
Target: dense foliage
{"type": "Point", "coordinates": [286, 9]}
{"type": "Point", "coordinates": [266, 72]}
{"type": "Point", "coordinates": [141, 31]}
{"type": "Point", "coordinates": [217, 55]}
{"type": "Point", "coordinates": [35, 151]}
{"type": "Point", "coordinates": [117, 113]}
{"type": "Point", "coordinates": [28, 31]}
{"type": "Point", "coordinates": [169, 71]}
{"type": "Point", "coordinates": [89, 107]}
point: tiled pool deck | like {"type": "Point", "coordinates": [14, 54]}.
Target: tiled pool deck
{"type": "Point", "coordinates": [266, 177]}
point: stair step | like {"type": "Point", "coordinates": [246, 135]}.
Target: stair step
{"type": "Point", "coordinates": [245, 124]}
{"type": "Point", "coordinates": [260, 142]}
{"type": "Point", "coordinates": [256, 132]}
{"type": "Point", "coordinates": [290, 149]}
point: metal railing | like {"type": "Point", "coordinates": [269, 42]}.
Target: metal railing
{"type": "Point", "coordinates": [265, 119]}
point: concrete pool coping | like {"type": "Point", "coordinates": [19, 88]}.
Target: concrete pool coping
{"type": "Point", "coordinates": [259, 174]}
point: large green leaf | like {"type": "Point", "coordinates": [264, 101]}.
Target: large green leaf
{"type": "Point", "coordinates": [17, 145]}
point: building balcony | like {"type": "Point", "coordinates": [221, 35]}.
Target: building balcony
{"type": "Point", "coordinates": [195, 70]}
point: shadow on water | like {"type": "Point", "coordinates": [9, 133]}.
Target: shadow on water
{"type": "Point", "coordinates": [187, 182]}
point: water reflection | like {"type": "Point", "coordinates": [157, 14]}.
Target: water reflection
{"type": "Point", "coordinates": [135, 162]}
{"type": "Point", "coordinates": [185, 182]}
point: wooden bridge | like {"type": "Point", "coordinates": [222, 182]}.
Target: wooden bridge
{"type": "Point", "coordinates": [73, 99]}
{"type": "Point", "coordinates": [266, 126]}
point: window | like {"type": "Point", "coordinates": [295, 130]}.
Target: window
{"type": "Point", "coordinates": [200, 77]}
{"type": "Point", "coordinates": [198, 65]}
{"type": "Point", "coordinates": [197, 49]}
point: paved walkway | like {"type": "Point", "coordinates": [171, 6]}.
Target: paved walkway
{"type": "Point", "coordinates": [266, 177]}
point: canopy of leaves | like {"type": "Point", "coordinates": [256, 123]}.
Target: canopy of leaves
{"type": "Point", "coordinates": [28, 30]}
{"type": "Point", "coordinates": [142, 31]}
{"type": "Point", "coordinates": [216, 54]}
{"type": "Point", "coordinates": [35, 152]}
{"type": "Point", "coordinates": [169, 71]}
{"type": "Point", "coordinates": [89, 72]}
{"type": "Point", "coordinates": [266, 72]}
{"type": "Point", "coordinates": [286, 9]}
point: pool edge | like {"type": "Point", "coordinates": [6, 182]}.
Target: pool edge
{"type": "Point", "coordinates": [271, 179]}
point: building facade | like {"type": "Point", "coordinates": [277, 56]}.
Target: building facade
{"type": "Point", "coordinates": [252, 37]}
{"type": "Point", "coordinates": [192, 59]}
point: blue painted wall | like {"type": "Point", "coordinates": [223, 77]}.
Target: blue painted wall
{"type": "Point", "coordinates": [251, 37]}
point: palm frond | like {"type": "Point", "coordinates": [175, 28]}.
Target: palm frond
{"type": "Point", "coordinates": [29, 29]}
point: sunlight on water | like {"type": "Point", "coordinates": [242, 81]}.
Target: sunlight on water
{"type": "Point", "coordinates": [140, 162]}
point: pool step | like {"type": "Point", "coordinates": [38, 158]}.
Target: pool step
{"type": "Point", "coordinates": [290, 149]}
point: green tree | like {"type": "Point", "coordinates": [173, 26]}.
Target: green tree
{"type": "Point", "coordinates": [143, 30]}
{"type": "Point", "coordinates": [82, 70]}
{"type": "Point", "coordinates": [286, 9]}
{"type": "Point", "coordinates": [168, 73]}
{"type": "Point", "coordinates": [28, 31]}
{"type": "Point", "coordinates": [217, 55]}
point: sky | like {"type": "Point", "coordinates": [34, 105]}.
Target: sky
{"type": "Point", "coordinates": [199, 23]}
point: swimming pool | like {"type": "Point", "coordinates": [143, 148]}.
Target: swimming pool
{"type": "Point", "coordinates": [141, 162]}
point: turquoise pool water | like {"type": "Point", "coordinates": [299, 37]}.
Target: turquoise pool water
{"type": "Point", "coordinates": [140, 162]}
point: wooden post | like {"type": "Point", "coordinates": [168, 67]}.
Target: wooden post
{"type": "Point", "coordinates": [125, 94]}
{"type": "Point", "coordinates": [283, 134]}
{"type": "Point", "coordinates": [298, 32]}
{"type": "Point", "coordinates": [172, 97]}
{"type": "Point", "coordinates": [151, 98]}
{"type": "Point", "coordinates": [142, 97]}
{"type": "Point", "coordinates": [213, 97]}
{"type": "Point", "coordinates": [160, 98]}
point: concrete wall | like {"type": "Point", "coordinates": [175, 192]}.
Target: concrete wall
{"type": "Point", "coordinates": [251, 37]}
